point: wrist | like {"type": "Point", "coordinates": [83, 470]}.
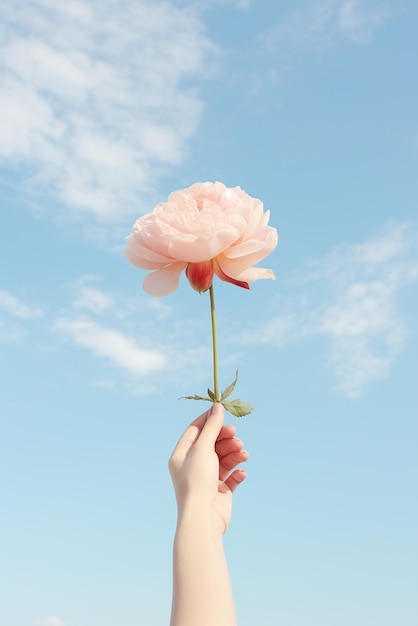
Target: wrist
{"type": "Point", "coordinates": [197, 514]}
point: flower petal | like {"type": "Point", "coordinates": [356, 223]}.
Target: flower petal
{"type": "Point", "coordinates": [228, 279]}
{"type": "Point", "coordinates": [241, 269]}
{"type": "Point", "coordinates": [144, 257]}
{"type": "Point", "coordinates": [164, 281]}
{"type": "Point", "coordinates": [200, 275]}
{"type": "Point", "coordinates": [195, 248]}
{"type": "Point", "coordinates": [245, 248]}
{"type": "Point", "coordinates": [257, 273]}
{"type": "Point", "coordinates": [252, 252]}
{"type": "Point", "coordinates": [265, 238]}
{"type": "Point", "coordinates": [132, 256]}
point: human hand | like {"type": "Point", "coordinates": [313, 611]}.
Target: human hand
{"type": "Point", "coordinates": [203, 466]}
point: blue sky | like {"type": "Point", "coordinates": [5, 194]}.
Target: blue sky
{"type": "Point", "coordinates": [310, 106]}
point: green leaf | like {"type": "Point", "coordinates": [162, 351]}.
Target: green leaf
{"type": "Point", "coordinates": [195, 397]}
{"type": "Point", "coordinates": [239, 408]}
{"type": "Point", "coordinates": [230, 388]}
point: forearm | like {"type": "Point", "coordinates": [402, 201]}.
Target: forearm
{"type": "Point", "coordinates": [202, 592]}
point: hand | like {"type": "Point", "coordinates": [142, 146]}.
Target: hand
{"type": "Point", "coordinates": [203, 466]}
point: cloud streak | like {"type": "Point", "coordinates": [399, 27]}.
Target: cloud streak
{"type": "Point", "coordinates": [139, 338]}
{"type": "Point", "coordinates": [92, 299]}
{"type": "Point", "coordinates": [97, 100]}
{"type": "Point", "coordinates": [351, 299]}
{"type": "Point", "coordinates": [324, 22]}
{"type": "Point", "coordinates": [112, 345]}
{"type": "Point", "coordinates": [52, 620]}
{"type": "Point", "coordinates": [16, 308]}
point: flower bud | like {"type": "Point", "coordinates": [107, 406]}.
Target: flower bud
{"type": "Point", "coordinates": [200, 275]}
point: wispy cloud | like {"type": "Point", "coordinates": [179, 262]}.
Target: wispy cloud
{"type": "Point", "coordinates": [93, 299]}
{"type": "Point", "coordinates": [11, 332]}
{"type": "Point", "coordinates": [324, 22]}
{"type": "Point", "coordinates": [351, 298]}
{"type": "Point", "coordinates": [98, 99]}
{"type": "Point", "coordinates": [358, 20]}
{"type": "Point", "coordinates": [88, 297]}
{"type": "Point", "coordinates": [239, 4]}
{"type": "Point", "coordinates": [210, 4]}
{"type": "Point", "coordinates": [133, 334]}
{"type": "Point", "coordinates": [140, 336]}
{"type": "Point", "coordinates": [16, 317]}
{"type": "Point", "coordinates": [112, 345]}
{"type": "Point", "coordinates": [16, 308]}
{"type": "Point", "coordinates": [52, 620]}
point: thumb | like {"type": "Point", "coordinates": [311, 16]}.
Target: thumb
{"type": "Point", "coordinates": [213, 425]}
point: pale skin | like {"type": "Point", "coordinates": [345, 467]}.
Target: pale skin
{"type": "Point", "coordinates": [204, 472]}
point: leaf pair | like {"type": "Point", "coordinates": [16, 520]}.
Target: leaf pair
{"type": "Point", "coordinates": [238, 408]}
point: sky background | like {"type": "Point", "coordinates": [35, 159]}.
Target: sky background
{"type": "Point", "coordinates": [107, 107]}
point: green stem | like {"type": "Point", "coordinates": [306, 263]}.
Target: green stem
{"type": "Point", "coordinates": [214, 345]}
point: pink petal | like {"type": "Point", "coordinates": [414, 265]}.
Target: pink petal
{"type": "Point", "coordinates": [228, 279]}
{"type": "Point", "coordinates": [241, 269]}
{"type": "Point", "coordinates": [164, 281]}
{"type": "Point", "coordinates": [257, 273]}
{"type": "Point", "coordinates": [195, 248]}
{"type": "Point", "coordinates": [251, 252]}
{"type": "Point", "coordinates": [133, 257]}
{"type": "Point", "coordinates": [245, 248]}
{"type": "Point", "coordinates": [139, 253]}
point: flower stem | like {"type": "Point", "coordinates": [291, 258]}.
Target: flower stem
{"type": "Point", "coordinates": [214, 345]}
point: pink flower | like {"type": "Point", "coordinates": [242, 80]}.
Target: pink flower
{"type": "Point", "coordinates": [206, 229]}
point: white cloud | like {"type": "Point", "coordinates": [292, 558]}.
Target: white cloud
{"type": "Point", "coordinates": [97, 97]}
{"type": "Point", "coordinates": [211, 4]}
{"type": "Point", "coordinates": [358, 23]}
{"type": "Point", "coordinates": [16, 308]}
{"type": "Point", "coordinates": [108, 343]}
{"type": "Point", "coordinates": [88, 297]}
{"type": "Point", "coordinates": [239, 4]}
{"type": "Point", "coordinates": [50, 621]}
{"type": "Point", "coordinates": [133, 334]}
{"type": "Point", "coordinates": [323, 22]}
{"type": "Point", "coordinates": [92, 299]}
{"type": "Point", "coordinates": [11, 332]}
{"type": "Point", "coordinates": [366, 332]}
{"type": "Point", "coordinates": [351, 298]}
{"type": "Point", "coordinates": [109, 385]}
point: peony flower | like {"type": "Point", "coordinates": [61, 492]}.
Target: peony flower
{"type": "Point", "coordinates": [206, 230]}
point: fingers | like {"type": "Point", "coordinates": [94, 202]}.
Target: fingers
{"type": "Point", "coordinates": [213, 426]}
{"type": "Point", "coordinates": [225, 446]}
{"type": "Point", "coordinates": [230, 462]}
{"type": "Point", "coordinates": [193, 431]}
{"type": "Point", "coordinates": [230, 453]}
{"type": "Point", "coordinates": [190, 435]}
{"type": "Point", "coordinates": [209, 431]}
{"type": "Point", "coordinates": [227, 431]}
{"type": "Point", "coordinates": [235, 479]}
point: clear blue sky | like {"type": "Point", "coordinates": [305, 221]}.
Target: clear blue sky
{"type": "Point", "coordinates": [106, 108]}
